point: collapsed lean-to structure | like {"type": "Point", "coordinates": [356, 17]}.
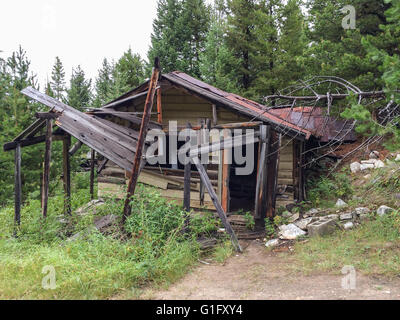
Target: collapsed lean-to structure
{"type": "Point", "coordinates": [116, 133]}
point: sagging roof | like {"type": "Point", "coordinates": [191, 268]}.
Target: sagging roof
{"type": "Point", "coordinates": [322, 126]}
{"type": "Point", "coordinates": [115, 142]}
{"type": "Point", "coordinates": [252, 109]}
{"type": "Point", "coordinates": [257, 111]}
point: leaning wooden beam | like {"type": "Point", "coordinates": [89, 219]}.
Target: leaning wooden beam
{"type": "Point", "coordinates": [92, 158]}
{"type": "Point", "coordinates": [37, 125]}
{"type": "Point", "coordinates": [159, 106]}
{"type": "Point", "coordinates": [102, 165]}
{"type": "Point", "coordinates": [118, 102]}
{"type": "Point", "coordinates": [214, 198]}
{"type": "Point", "coordinates": [67, 174]}
{"type": "Point", "coordinates": [186, 179]}
{"type": "Point", "coordinates": [75, 148]}
{"type": "Point", "coordinates": [225, 144]}
{"type": "Point", "coordinates": [46, 170]}
{"type": "Point", "coordinates": [142, 137]}
{"type": "Point", "coordinates": [17, 187]}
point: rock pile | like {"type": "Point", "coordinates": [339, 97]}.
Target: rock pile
{"type": "Point", "coordinates": [319, 222]}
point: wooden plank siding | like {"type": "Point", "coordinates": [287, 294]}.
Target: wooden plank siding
{"type": "Point", "coordinates": [285, 173]}
{"type": "Point", "coordinates": [178, 105]}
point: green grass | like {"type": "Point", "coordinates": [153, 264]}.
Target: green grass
{"type": "Point", "coordinates": [96, 266]}
{"type": "Point", "coordinates": [373, 248]}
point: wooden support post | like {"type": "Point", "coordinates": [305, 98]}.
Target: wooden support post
{"type": "Point", "coordinates": [203, 133]}
{"type": "Point", "coordinates": [17, 186]}
{"type": "Point", "coordinates": [142, 136]}
{"type": "Point", "coordinates": [272, 173]}
{"type": "Point", "coordinates": [214, 113]}
{"type": "Point", "coordinates": [226, 168]}
{"type": "Point", "coordinates": [92, 159]}
{"type": "Point", "coordinates": [159, 106]}
{"type": "Point", "coordinates": [186, 180]}
{"type": "Point", "coordinates": [302, 194]}
{"type": "Point", "coordinates": [46, 169]}
{"type": "Point", "coordinates": [214, 198]}
{"type": "Point", "coordinates": [67, 174]}
{"type": "Point", "coordinates": [262, 173]}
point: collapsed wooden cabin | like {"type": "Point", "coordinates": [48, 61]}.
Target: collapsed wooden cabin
{"type": "Point", "coordinates": [115, 131]}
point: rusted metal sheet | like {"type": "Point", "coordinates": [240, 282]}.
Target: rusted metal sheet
{"type": "Point", "coordinates": [242, 105]}
{"type": "Point", "coordinates": [314, 120]}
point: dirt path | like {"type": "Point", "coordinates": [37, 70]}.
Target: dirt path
{"type": "Point", "coordinates": [259, 274]}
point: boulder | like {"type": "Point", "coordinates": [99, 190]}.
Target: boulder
{"type": "Point", "coordinates": [397, 157]}
{"type": "Point", "coordinates": [374, 155]}
{"type": "Point", "coordinates": [346, 216]}
{"type": "Point", "coordinates": [355, 167]}
{"type": "Point", "coordinates": [290, 232]}
{"type": "Point", "coordinates": [379, 164]}
{"type": "Point", "coordinates": [382, 210]}
{"type": "Point", "coordinates": [321, 227]}
{"type": "Point", "coordinates": [311, 212]}
{"type": "Point", "coordinates": [332, 216]}
{"type": "Point", "coordinates": [294, 217]}
{"type": "Point", "coordinates": [361, 210]}
{"type": "Point", "coordinates": [348, 225]}
{"type": "Point", "coordinates": [340, 203]}
{"type": "Point", "coordinates": [366, 166]}
{"type": "Point", "coordinates": [303, 223]}
{"type": "Point", "coordinates": [272, 243]}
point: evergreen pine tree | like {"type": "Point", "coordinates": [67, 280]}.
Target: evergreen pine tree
{"type": "Point", "coordinates": [57, 82]}
{"type": "Point", "coordinates": [79, 94]}
{"type": "Point", "coordinates": [104, 84]}
{"type": "Point", "coordinates": [128, 72]}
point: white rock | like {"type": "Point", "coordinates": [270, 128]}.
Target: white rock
{"type": "Point", "coordinates": [332, 216]}
{"type": "Point", "coordinates": [272, 243]}
{"type": "Point", "coordinates": [340, 203]}
{"type": "Point", "coordinates": [382, 210]}
{"type": "Point", "coordinates": [348, 225]}
{"type": "Point", "coordinates": [366, 166]}
{"type": "Point", "coordinates": [361, 210]}
{"type": "Point", "coordinates": [355, 167]}
{"type": "Point", "coordinates": [312, 211]}
{"type": "Point", "coordinates": [346, 216]}
{"type": "Point", "coordinates": [369, 161]}
{"type": "Point", "coordinates": [303, 223]}
{"type": "Point", "coordinates": [294, 217]}
{"type": "Point", "coordinates": [290, 232]}
{"type": "Point", "coordinates": [374, 155]}
{"type": "Point", "coordinates": [397, 157]}
{"type": "Point", "coordinates": [379, 164]}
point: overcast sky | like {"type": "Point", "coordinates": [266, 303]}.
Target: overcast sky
{"type": "Point", "coordinates": [80, 32]}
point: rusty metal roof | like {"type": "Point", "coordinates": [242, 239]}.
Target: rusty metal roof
{"type": "Point", "coordinates": [245, 106]}
{"type": "Point", "coordinates": [315, 120]}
